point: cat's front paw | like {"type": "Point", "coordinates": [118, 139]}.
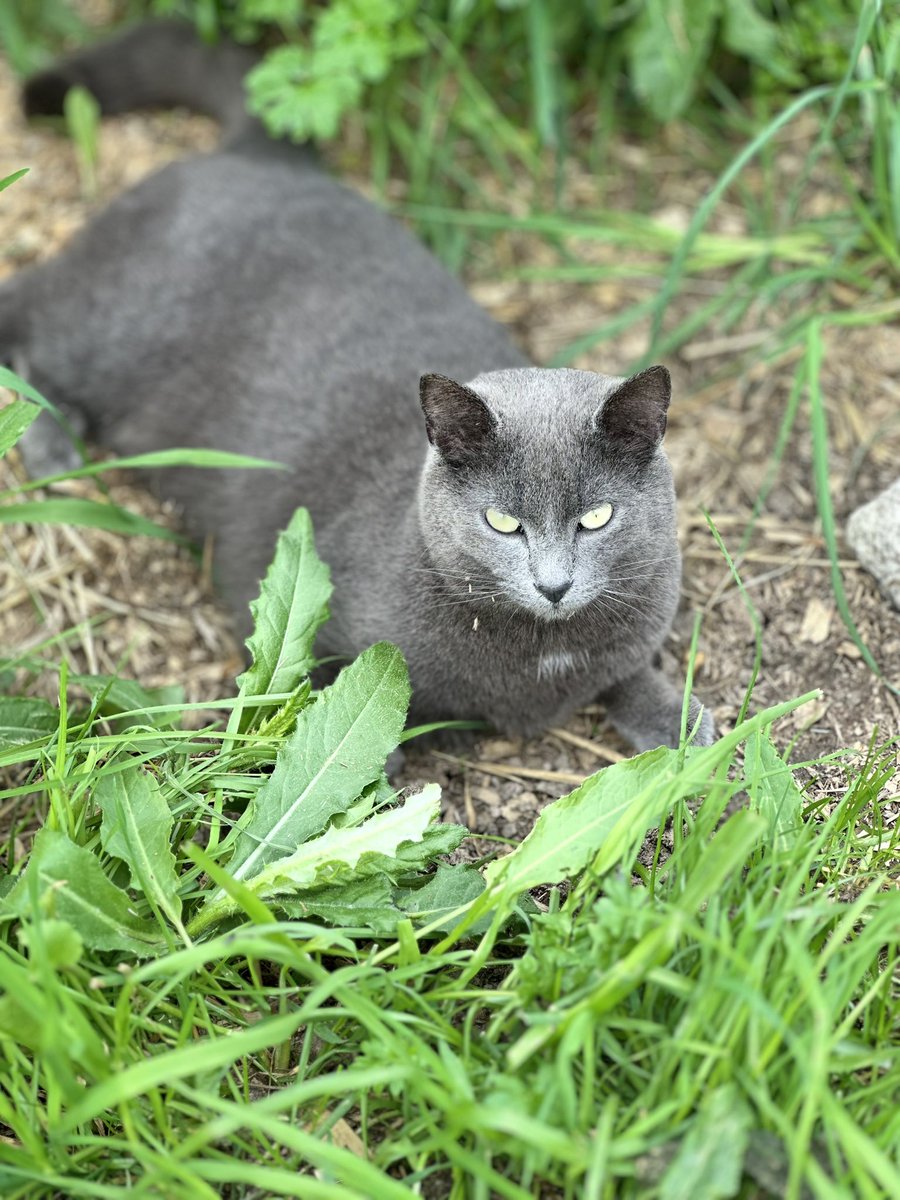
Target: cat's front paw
{"type": "Point", "coordinates": [46, 447]}
{"type": "Point", "coordinates": [647, 709]}
{"type": "Point", "coordinates": [705, 733]}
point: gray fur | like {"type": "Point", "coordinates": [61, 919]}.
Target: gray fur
{"type": "Point", "coordinates": [246, 300]}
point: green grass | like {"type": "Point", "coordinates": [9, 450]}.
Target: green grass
{"type": "Point", "coordinates": [581, 1019]}
{"type": "Point", "coordinates": [747, 983]}
{"type": "Point", "coordinates": [233, 961]}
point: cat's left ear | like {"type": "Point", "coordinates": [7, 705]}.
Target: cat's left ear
{"type": "Point", "coordinates": [633, 418]}
{"type": "Point", "coordinates": [458, 422]}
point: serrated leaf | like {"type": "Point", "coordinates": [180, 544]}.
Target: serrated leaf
{"type": "Point", "coordinates": [709, 1162]}
{"type": "Point", "coordinates": [292, 100]}
{"type": "Point", "coordinates": [773, 791]}
{"type": "Point", "coordinates": [375, 902]}
{"type": "Point", "coordinates": [24, 720]}
{"type": "Point", "coordinates": [292, 604]}
{"type": "Point", "coordinates": [325, 861]}
{"type": "Point", "coordinates": [14, 420]}
{"type": "Point", "coordinates": [403, 867]}
{"type": "Point", "coordinates": [69, 884]}
{"type": "Point", "coordinates": [439, 839]}
{"type": "Point", "coordinates": [380, 836]}
{"type": "Point", "coordinates": [446, 891]}
{"type": "Point", "coordinates": [570, 831]}
{"type": "Point", "coordinates": [136, 827]}
{"type": "Point", "coordinates": [365, 903]}
{"type": "Point", "coordinates": [668, 48]}
{"type": "Point", "coordinates": [339, 747]}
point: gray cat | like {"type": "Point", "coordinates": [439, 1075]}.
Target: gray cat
{"type": "Point", "coordinates": [523, 555]}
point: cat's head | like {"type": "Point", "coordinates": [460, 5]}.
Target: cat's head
{"type": "Point", "coordinates": [549, 489]}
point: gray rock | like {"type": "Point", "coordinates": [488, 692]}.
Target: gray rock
{"type": "Point", "coordinates": [873, 532]}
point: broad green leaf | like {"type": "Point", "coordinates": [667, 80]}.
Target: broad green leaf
{"type": "Point", "coordinates": [372, 903]}
{"type": "Point", "coordinates": [709, 1162]}
{"type": "Point", "coordinates": [773, 791]}
{"type": "Point", "coordinates": [339, 747]}
{"type": "Point", "coordinates": [406, 863]}
{"type": "Point", "coordinates": [137, 827]}
{"type": "Point", "coordinates": [24, 720]}
{"type": "Point", "coordinates": [376, 902]}
{"type": "Point", "coordinates": [292, 604]}
{"type": "Point", "coordinates": [14, 420]}
{"type": "Point", "coordinates": [570, 832]}
{"type": "Point", "coordinates": [668, 48]}
{"type": "Point", "coordinates": [365, 903]}
{"type": "Point", "coordinates": [346, 847]}
{"type": "Point", "coordinates": [361, 849]}
{"type": "Point", "coordinates": [89, 513]}
{"type": "Point", "coordinates": [70, 884]}
{"type": "Point", "coordinates": [439, 839]}
{"type": "Point", "coordinates": [446, 891]}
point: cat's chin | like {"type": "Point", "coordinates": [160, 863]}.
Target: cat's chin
{"type": "Point", "coordinates": [553, 614]}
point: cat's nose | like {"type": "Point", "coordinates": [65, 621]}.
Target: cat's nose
{"type": "Point", "coordinates": [554, 591]}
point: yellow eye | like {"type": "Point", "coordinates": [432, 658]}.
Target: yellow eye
{"type": "Point", "coordinates": [502, 522]}
{"type": "Point", "coordinates": [597, 517]}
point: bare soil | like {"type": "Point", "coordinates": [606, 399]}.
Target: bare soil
{"type": "Point", "coordinates": [144, 608]}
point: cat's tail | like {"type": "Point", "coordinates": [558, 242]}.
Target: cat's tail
{"type": "Point", "coordinates": [160, 64]}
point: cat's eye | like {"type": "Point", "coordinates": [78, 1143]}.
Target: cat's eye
{"type": "Point", "coordinates": [502, 522]}
{"type": "Point", "coordinates": [597, 517]}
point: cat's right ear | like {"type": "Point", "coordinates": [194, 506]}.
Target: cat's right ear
{"type": "Point", "coordinates": [633, 417]}
{"type": "Point", "coordinates": [458, 422]}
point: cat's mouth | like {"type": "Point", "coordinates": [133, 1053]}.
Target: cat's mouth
{"type": "Point", "coordinates": [553, 611]}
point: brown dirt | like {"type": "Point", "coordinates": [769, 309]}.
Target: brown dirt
{"type": "Point", "coordinates": [142, 606]}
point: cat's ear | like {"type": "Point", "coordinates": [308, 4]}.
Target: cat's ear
{"type": "Point", "coordinates": [458, 422]}
{"type": "Point", "coordinates": [633, 418]}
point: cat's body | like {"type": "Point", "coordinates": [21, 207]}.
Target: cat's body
{"type": "Point", "coordinates": [247, 301]}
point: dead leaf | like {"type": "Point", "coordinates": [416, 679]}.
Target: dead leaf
{"type": "Point", "coordinates": [816, 621]}
{"type": "Point", "coordinates": [849, 650]}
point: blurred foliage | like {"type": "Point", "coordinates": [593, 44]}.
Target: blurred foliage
{"type": "Point", "coordinates": [539, 59]}
{"type": "Point", "coordinates": [545, 57]}
{"type": "Point", "coordinates": [32, 30]}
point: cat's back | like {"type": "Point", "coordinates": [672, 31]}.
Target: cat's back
{"type": "Point", "coordinates": [249, 263]}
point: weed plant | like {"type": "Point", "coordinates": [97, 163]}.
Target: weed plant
{"type": "Point", "coordinates": [234, 963]}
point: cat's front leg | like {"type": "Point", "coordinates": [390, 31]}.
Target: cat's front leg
{"type": "Point", "coordinates": [49, 447]}
{"type": "Point", "coordinates": [646, 709]}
